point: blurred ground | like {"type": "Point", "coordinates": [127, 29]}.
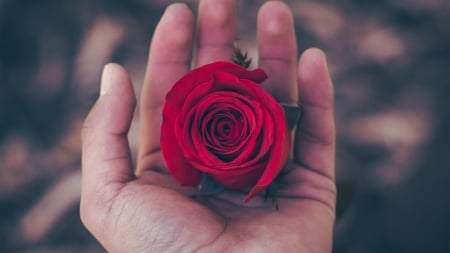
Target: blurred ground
{"type": "Point", "coordinates": [390, 61]}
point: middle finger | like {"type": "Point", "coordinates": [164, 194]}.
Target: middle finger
{"type": "Point", "coordinates": [216, 31]}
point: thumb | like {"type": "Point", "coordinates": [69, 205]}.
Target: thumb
{"type": "Point", "coordinates": [106, 159]}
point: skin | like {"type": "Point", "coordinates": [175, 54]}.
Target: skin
{"type": "Point", "coordinates": [143, 209]}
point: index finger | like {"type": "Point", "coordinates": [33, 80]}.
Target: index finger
{"type": "Point", "coordinates": [169, 59]}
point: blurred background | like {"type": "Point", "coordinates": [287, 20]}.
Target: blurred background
{"type": "Point", "coordinates": [390, 62]}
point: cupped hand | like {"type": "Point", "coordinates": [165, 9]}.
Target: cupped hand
{"type": "Point", "coordinates": [145, 210]}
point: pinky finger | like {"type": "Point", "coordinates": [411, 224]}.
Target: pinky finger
{"type": "Point", "coordinates": [314, 146]}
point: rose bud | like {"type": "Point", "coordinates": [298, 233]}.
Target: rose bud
{"type": "Point", "coordinates": [218, 121]}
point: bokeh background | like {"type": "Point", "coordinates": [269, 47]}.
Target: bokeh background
{"type": "Point", "coordinates": [390, 62]}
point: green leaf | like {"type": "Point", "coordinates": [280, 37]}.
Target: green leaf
{"type": "Point", "coordinates": [292, 113]}
{"type": "Point", "coordinates": [209, 186]}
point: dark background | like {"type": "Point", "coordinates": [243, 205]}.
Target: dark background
{"type": "Point", "coordinates": [390, 62]}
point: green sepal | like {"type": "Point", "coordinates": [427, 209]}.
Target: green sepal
{"type": "Point", "coordinates": [209, 186]}
{"type": "Point", "coordinates": [241, 58]}
{"type": "Point", "coordinates": [293, 113]}
{"type": "Point", "coordinates": [272, 192]}
{"type": "Point", "coordinates": [274, 187]}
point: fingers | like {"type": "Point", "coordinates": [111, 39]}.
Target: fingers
{"type": "Point", "coordinates": [106, 160]}
{"type": "Point", "coordinates": [315, 137]}
{"type": "Point", "coordinates": [216, 31]}
{"type": "Point", "coordinates": [278, 51]}
{"type": "Point", "coordinates": [169, 60]}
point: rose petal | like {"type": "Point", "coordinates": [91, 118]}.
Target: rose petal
{"type": "Point", "coordinates": [281, 149]}
{"type": "Point", "coordinates": [178, 166]}
{"type": "Point", "coordinates": [184, 86]}
{"type": "Point", "coordinates": [239, 181]}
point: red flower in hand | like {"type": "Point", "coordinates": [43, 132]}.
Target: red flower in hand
{"type": "Point", "coordinates": [218, 120]}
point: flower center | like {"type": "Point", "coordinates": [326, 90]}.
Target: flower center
{"type": "Point", "coordinates": [223, 129]}
{"type": "Point", "coordinates": [224, 132]}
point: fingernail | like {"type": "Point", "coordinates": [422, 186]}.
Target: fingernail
{"type": "Point", "coordinates": [105, 85]}
{"type": "Point", "coordinates": [177, 6]}
{"type": "Point", "coordinates": [176, 12]}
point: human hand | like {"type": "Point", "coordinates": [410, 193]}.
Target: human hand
{"type": "Point", "coordinates": [147, 211]}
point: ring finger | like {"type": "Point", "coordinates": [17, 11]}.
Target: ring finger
{"type": "Point", "coordinates": [278, 51]}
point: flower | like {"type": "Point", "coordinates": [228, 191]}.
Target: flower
{"type": "Point", "coordinates": [218, 120]}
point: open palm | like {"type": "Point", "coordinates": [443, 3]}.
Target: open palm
{"type": "Point", "coordinates": [146, 210]}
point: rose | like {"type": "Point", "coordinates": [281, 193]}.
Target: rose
{"type": "Point", "coordinates": [218, 120]}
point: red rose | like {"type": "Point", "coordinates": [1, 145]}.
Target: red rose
{"type": "Point", "coordinates": [218, 120]}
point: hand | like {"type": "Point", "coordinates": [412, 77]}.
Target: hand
{"type": "Point", "coordinates": [147, 211]}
